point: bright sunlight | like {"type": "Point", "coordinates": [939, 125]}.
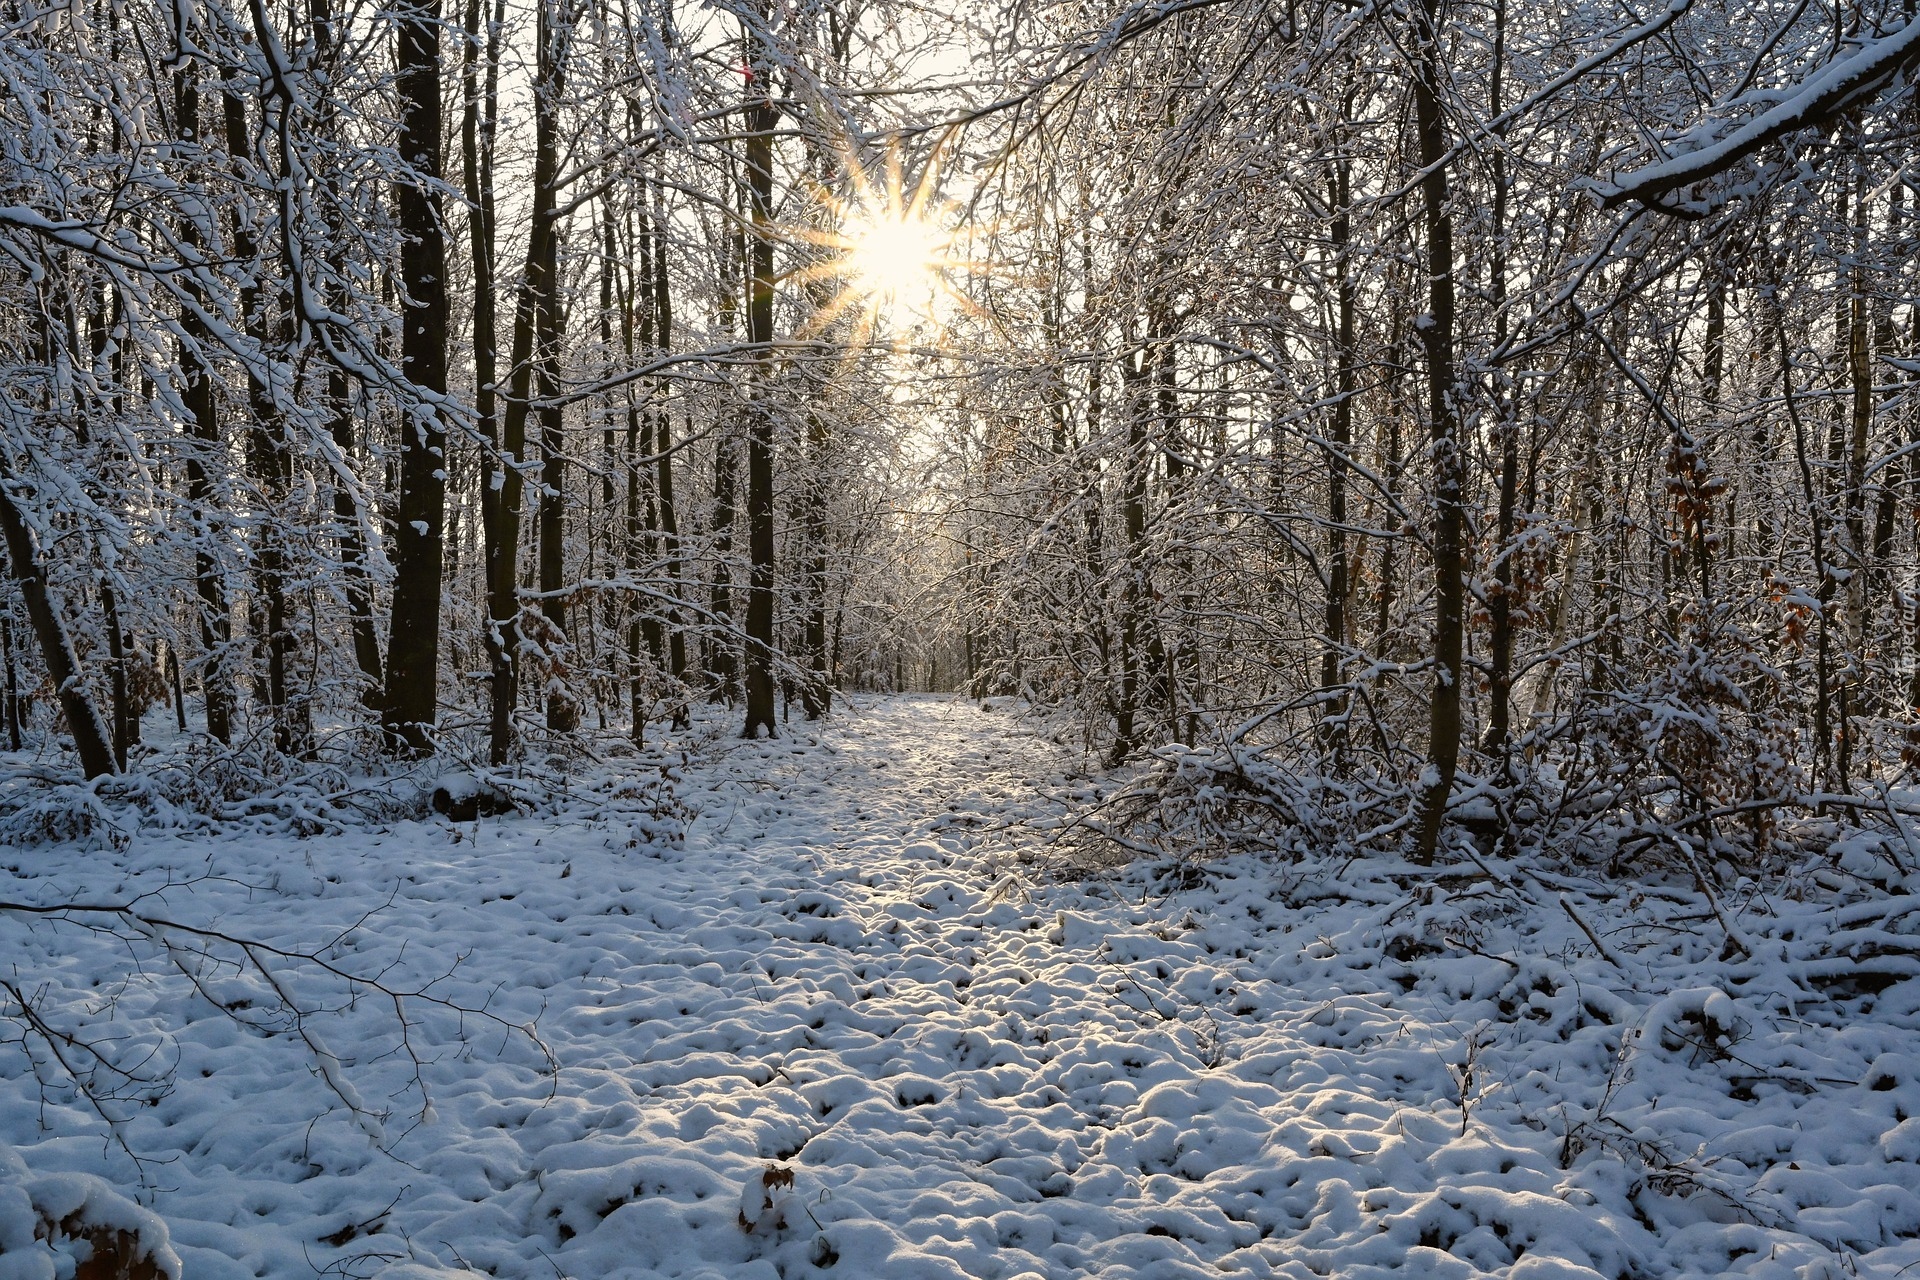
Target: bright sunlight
{"type": "Point", "coordinates": [896, 252]}
{"type": "Point", "coordinates": [895, 258]}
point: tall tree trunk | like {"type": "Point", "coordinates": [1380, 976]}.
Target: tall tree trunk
{"type": "Point", "coordinates": [409, 708]}
{"type": "Point", "coordinates": [563, 711]}
{"type": "Point", "coordinates": [125, 724]}
{"type": "Point", "coordinates": [530, 328]}
{"type": "Point", "coordinates": [1133, 525]}
{"type": "Point", "coordinates": [1092, 490]}
{"type": "Point", "coordinates": [1854, 687]}
{"type": "Point", "coordinates": [272, 465]}
{"type": "Point", "coordinates": [197, 395]}
{"type": "Point", "coordinates": [647, 551]}
{"type": "Point", "coordinates": [761, 117]}
{"type": "Point", "coordinates": [632, 543]}
{"type": "Point", "coordinates": [1500, 590]}
{"type": "Point", "coordinates": [720, 657]}
{"type": "Point", "coordinates": [1391, 466]}
{"type": "Point", "coordinates": [478, 123]}
{"type": "Point", "coordinates": [1168, 663]}
{"type": "Point", "coordinates": [351, 521]}
{"type": "Point", "coordinates": [1332, 729]}
{"type": "Point", "coordinates": [1443, 424]}
{"type": "Point", "coordinates": [613, 300]}
{"type": "Point", "coordinates": [1713, 375]}
{"type": "Point", "coordinates": [663, 443]}
{"type": "Point", "coordinates": [816, 693]}
{"type": "Point", "coordinates": [1888, 483]}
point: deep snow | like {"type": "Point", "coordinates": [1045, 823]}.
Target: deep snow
{"type": "Point", "coordinates": [843, 1030]}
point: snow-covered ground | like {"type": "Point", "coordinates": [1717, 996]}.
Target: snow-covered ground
{"type": "Point", "coordinates": [840, 1031]}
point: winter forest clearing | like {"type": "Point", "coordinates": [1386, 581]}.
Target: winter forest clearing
{"type": "Point", "coordinates": [829, 1004]}
{"type": "Point", "coordinates": [1113, 637]}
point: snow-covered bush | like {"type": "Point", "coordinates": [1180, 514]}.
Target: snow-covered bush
{"type": "Point", "coordinates": [72, 1226]}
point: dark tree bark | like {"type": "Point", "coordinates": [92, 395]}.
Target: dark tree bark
{"type": "Point", "coordinates": [646, 549]}
{"type": "Point", "coordinates": [663, 443]}
{"type": "Point", "coordinates": [563, 713]}
{"type": "Point", "coordinates": [197, 395]}
{"type": "Point", "coordinates": [633, 541]}
{"type": "Point", "coordinates": [761, 117]}
{"type": "Point", "coordinates": [121, 717]}
{"type": "Point", "coordinates": [721, 656]}
{"type": "Point", "coordinates": [125, 724]}
{"type": "Point", "coordinates": [409, 708]}
{"type": "Point", "coordinates": [271, 462]}
{"type": "Point", "coordinates": [478, 123]}
{"type": "Point", "coordinates": [350, 521]}
{"type": "Point", "coordinates": [1499, 734]}
{"type": "Point", "coordinates": [1332, 729]}
{"type": "Point", "coordinates": [1166, 664]}
{"type": "Point", "coordinates": [56, 648]}
{"type": "Point", "coordinates": [13, 684]}
{"type": "Point", "coordinates": [816, 692]}
{"type": "Point", "coordinates": [349, 514]}
{"type": "Point", "coordinates": [531, 327]}
{"type": "Point", "coordinates": [1133, 589]}
{"type": "Point", "coordinates": [1855, 691]}
{"type": "Point", "coordinates": [1443, 426]}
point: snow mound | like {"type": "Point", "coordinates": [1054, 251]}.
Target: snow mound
{"type": "Point", "coordinates": [72, 1226]}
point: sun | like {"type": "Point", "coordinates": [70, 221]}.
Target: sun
{"type": "Point", "coordinates": [895, 257]}
{"type": "Point", "coordinates": [893, 253]}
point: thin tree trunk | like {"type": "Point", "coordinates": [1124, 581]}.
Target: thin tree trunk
{"type": "Point", "coordinates": [663, 443]}
{"type": "Point", "coordinates": [1854, 688]}
{"type": "Point", "coordinates": [350, 517]}
{"type": "Point", "coordinates": [649, 543]}
{"type": "Point", "coordinates": [272, 466]}
{"type": "Point", "coordinates": [13, 684]}
{"type": "Point", "coordinates": [529, 328]}
{"type": "Point", "coordinates": [478, 123]}
{"type": "Point", "coordinates": [56, 648]}
{"type": "Point", "coordinates": [1332, 729]}
{"type": "Point", "coordinates": [563, 712]}
{"type": "Point", "coordinates": [1168, 662]}
{"type": "Point", "coordinates": [816, 694]}
{"type": "Point", "coordinates": [632, 543]}
{"type": "Point", "coordinates": [720, 656]}
{"type": "Point", "coordinates": [124, 726]}
{"type": "Point", "coordinates": [197, 395]}
{"type": "Point", "coordinates": [1390, 464]}
{"type": "Point", "coordinates": [1500, 594]}
{"type": "Point", "coordinates": [1133, 525]}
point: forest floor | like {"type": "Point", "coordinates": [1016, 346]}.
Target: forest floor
{"type": "Point", "coordinates": [846, 1028]}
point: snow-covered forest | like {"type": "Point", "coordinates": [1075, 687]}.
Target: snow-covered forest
{"type": "Point", "coordinates": [1053, 639]}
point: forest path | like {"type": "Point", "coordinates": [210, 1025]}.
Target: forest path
{"type": "Point", "coordinates": [880, 774]}
{"type": "Point", "coordinates": [833, 1008]}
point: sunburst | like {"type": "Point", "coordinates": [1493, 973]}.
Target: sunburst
{"type": "Point", "coordinates": [897, 252]}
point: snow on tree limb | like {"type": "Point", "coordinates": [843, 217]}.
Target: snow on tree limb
{"type": "Point", "coordinates": [1843, 83]}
